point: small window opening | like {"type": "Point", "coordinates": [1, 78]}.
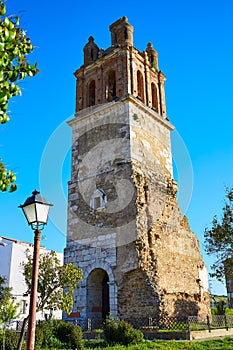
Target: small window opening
{"type": "Point", "coordinates": [126, 33]}
{"type": "Point", "coordinates": [91, 94]}
{"type": "Point", "coordinates": [154, 97]}
{"type": "Point", "coordinates": [111, 86]}
{"type": "Point", "coordinates": [23, 306]}
{"type": "Point", "coordinates": [98, 200]}
{"type": "Point", "coordinates": [92, 55]}
{"type": "Point", "coordinates": [140, 86]}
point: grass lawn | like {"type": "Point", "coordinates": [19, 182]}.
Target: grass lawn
{"type": "Point", "coordinates": [224, 344]}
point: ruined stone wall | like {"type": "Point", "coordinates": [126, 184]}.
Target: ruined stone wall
{"type": "Point", "coordinates": [101, 159]}
{"type": "Point", "coordinates": [141, 239]}
{"type": "Point", "coordinates": [101, 238]}
{"type": "Point", "coordinates": [124, 223]}
{"type": "Point", "coordinates": [168, 251]}
{"type": "Point", "coordinates": [138, 295]}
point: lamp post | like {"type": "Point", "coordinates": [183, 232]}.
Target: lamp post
{"type": "Point", "coordinates": [36, 210]}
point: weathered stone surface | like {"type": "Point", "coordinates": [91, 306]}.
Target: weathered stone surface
{"type": "Point", "coordinates": [125, 229]}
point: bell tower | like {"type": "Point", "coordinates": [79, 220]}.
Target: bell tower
{"type": "Point", "coordinates": [120, 71]}
{"type": "Point", "coordinates": [125, 229]}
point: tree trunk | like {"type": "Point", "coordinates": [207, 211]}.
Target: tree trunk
{"type": "Point", "coordinates": [4, 338]}
{"type": "Point", "coordinates": [22, 333]}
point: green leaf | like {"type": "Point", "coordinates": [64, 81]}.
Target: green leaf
{"type": "Point", "coordinates": [52, 279]}
{"type": "Point", "coordinates": [12, 35]}
{"type": "Point", "coordinates": [14, 66]}
{"type": "Point", "coordinates": [2, 9]}
{"type": "Point", "coordinates": [7, 33]}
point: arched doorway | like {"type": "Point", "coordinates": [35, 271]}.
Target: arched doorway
{"type": "Point", "coordinates": [98, 305]}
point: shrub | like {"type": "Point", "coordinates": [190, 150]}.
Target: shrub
{"type": "Point", "coordinates": [221, 308]}
{"type": "Point", "coordinates": [229, 311]}
{"type": "Point", "coordinates": [121, 332]}
{"type": "Point", "coordinates": [44, 335]}
{"type": "Point", "coordinates": [69, 334]}
{"type": "Point", "coordinates": [58, 334]}
{"type": "Point", "coordinates": [11, 339]}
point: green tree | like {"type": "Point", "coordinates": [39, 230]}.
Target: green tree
{"type": "Point", "coordinates": [8, 308]}
{"type": "Point", "coordinates": [14, 66]}
{"type": "Point", "coordinates": [219, 240]}
{"type": "Point", "coordinates": [56, 282]}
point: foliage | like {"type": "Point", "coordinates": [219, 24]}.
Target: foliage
{"type": "Point", "coordinates": [216, 344]}
{"type": "Point", "coordinates": [69, 334]}
{"type": "Point", "coordinates": [11, 339]}
{"type": "Point", "coordinates": [95, 344]}
{"type": "Point", "coordinates": [219, 242]}
{"type": "Point", "coordinates": [8, 308]}
{"type": "Point", "coordinates": [5, 291]}
{"type": "Point", "coordinates": [56, 283]}
{"type": "Point", "coordinates": [228, 311]}
{"type": "Point", "coordinates": [59, 334]}
{"type": "Point", "coordinates": [45, 337]}
{"type": "Point", "coordinates": [121, 332]}
{"type": "Point", "coordinates": [7, 177]}
{"type": "Point", "coordinates": [14, 67]}
{"type": "Point", "coordinates": [221, 308]}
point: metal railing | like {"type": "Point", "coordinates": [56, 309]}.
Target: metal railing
{"type": "Point", "coordinates": [143, 323]}
{"type": "Point", "coordinates": [210, 322]}
{"type": "Point", "coordinates": [157, 324]}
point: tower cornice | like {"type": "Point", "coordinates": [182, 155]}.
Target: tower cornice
{"type": "Point", "coordinates": [97, 109]}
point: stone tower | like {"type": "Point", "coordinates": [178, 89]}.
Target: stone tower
{"type": "Point", "coordinates": [125, 230]}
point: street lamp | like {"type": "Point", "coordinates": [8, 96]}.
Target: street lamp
{"type": "Point", "coordinates": [36, 210]}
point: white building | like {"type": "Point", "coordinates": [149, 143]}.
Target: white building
{"type": "Point", "coordinates": [12, 255]}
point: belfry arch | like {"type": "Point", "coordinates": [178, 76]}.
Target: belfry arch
{"type": "Point", "coordinates": [140, 86]}
{"type": "Point", "coordinates": [111, 85]}
{"type": "Point", "coordinates": [91, 93]}
{"type": "Point", "coordinates": [154, 95]}
{"type": "Point", "coordinates": [98, 302]}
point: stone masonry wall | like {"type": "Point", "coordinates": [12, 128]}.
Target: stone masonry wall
{"type": "Point", "coordinates": [140, 238]}
{"type": "Point", "coordinates": [168, 251]}
{"type": "Point", "coordinates": [125, 229]}
{"type": "Point", "coordinates": [101, 159]}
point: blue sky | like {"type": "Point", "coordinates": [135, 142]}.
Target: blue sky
{"type": "Point", "coordinates": [194, 41]}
